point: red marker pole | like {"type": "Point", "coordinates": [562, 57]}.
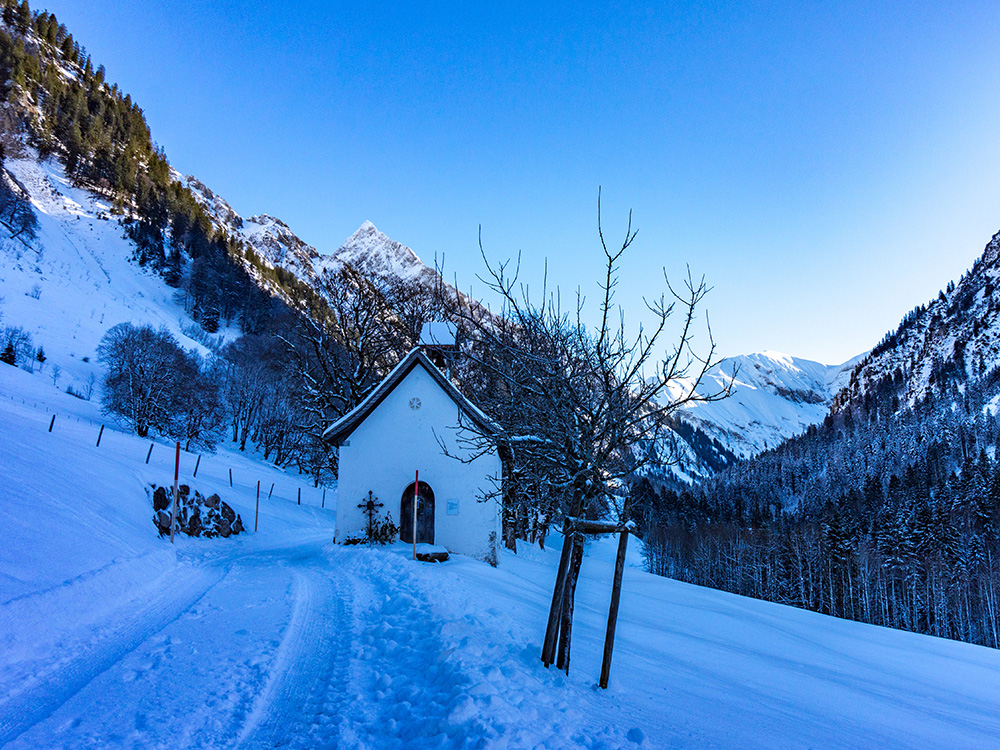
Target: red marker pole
{"type": "Point", "coordinates": [173, 509]}
{"type": "Point", "coordinates": [416, 489]}
{"type": "Point", "coordinates": [257, 511]}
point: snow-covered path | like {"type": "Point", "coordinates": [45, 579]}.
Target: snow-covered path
{"type": "Point", "coordinates": [303, 647]}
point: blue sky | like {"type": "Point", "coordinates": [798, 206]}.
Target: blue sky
{"type": "Point", "coordinates": [826, 166]}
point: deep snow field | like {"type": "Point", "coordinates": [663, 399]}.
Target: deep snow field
{"type": "Point", "coordinates": [112, 638]}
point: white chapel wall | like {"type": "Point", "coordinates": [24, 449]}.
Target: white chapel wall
{"type": "Point", "coordinates": [395, 440]}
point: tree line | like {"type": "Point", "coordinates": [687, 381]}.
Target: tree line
{"type": "Point", "coordinates": [275, 388]}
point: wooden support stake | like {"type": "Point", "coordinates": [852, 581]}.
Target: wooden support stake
{"type": "Point", "coordinates": [52, 422]}
{"type": "Point", "coordinates": [196, 465]}
{"type": "Point", "coordinates": [230, 477]}
{"type": "Point", "coordinates": [555, 609]}
{"type": "Point", "coordinates": [257, 511]}
{"type": "Point", "coordinates": [149, 452]}
{"type": "Point", "coordinates": [323, 504]}
{"type": "Point", "coordinates": [99, 435]}
{"type": "Point", "coordinates": [173, 509]}
{"type": "Point", "coordinates": [270, 491]}
{"type": "Point", "coordinates": [616, 592]}
{"type": "Point", "coordinates": [300, 496]}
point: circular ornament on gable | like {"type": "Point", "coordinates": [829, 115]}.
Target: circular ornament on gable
{"type": "Point", "coordinates": [414, 403]}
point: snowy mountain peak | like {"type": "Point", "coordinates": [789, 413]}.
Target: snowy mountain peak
{"type": "Point", "coordinates": [376, 254]}
{"type": "Point", "coordinates": [774, 397]}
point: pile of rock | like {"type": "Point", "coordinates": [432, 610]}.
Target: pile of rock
{"type": "Point", "coordinates": [196, 516]}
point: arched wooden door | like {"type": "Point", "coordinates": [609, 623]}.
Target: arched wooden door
{"type": "Point", "coordinates": [425, 515]}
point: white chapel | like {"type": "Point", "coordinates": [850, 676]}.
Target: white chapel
{"type": "Point", "coordinates": [396, 433]}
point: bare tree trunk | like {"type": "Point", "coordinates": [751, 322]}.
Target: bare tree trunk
{"type": "Point", "coordinates": [508, 510]}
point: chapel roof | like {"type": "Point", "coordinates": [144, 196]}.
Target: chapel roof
{"type": "Point", "coordinates": [343, 427]}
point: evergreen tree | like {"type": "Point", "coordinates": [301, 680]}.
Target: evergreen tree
{"type": "Point", "coordinates": [23, 18]}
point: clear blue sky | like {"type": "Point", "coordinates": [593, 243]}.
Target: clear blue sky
{"type": "Point", "coordinates": [827, 166]}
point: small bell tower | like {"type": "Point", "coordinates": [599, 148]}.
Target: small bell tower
{"type": "Point", "coordinates": [438, 339]}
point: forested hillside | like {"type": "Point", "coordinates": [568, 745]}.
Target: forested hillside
{"type": "Point", "coordinates": [888, 512]}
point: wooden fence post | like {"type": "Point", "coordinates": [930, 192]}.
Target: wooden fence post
{"type": "Point", "coordinates": [173, 509]}
{"type": "Point", "coordinates": [149, 452]}
{"type": "Point", "coordinates": [300, 496]}
{"type": "Point", "coordinates": [52, 422]}
{"type": "Point", "coordinates": [256, 512]}
{"type": "Point", "coordinates": [196, 465]}
{"type": "Point", "coordinates": [270, 491]}
{"type": "Point", "coordinates": [99, 435]}
{"type": "Point", "coordinates": [230, 477]}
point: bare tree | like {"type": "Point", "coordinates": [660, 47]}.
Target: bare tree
{"type": "Point", "coordinates": [152, 384]}
{"type": "Point", "coordinates": [247, 380]}
{"type": "Point", "coordinates": [17, 346]}
{"type": "Point", "coordinates": [581, 408]}
{"type": "Point", "coordinates": [346, 346]}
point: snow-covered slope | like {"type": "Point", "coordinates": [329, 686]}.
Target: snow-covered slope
{"type": "Point", "coordinates": [77, 279]}
{"type": "Point", "coordinates": [113, 638]}
{"type": "Point", "coordinates": [774, 397]}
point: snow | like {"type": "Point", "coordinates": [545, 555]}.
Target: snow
{"type": "Point", "coordinates": [377, 255]}
{"type": "Point", "coordinates": [114, 638]}
{"type": "Point", "coordinates": [81, 266]}
{"type": "Point", "coordinates": [991, 407]}
{"type": "Point", "coordinates": [774, 397]}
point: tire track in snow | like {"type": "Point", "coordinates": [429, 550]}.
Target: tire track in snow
{"type": "Point", "coordinates": [109, 646]}
{"type": "Point", "coordinates": [291, 641]}
{"type": "Point", "coordinates": [303, 705]}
